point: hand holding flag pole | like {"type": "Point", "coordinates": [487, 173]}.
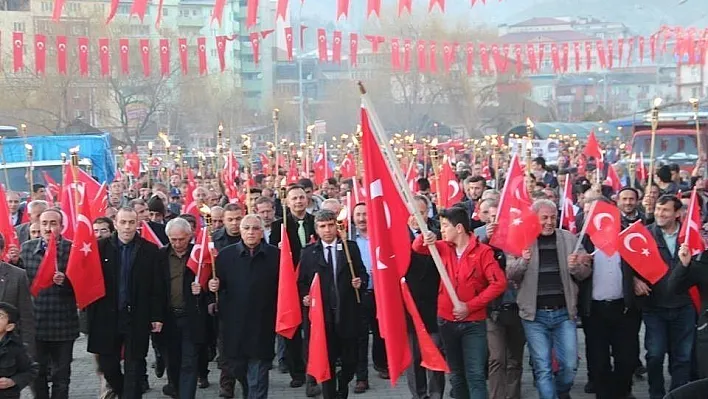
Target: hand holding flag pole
{"type": "Point", "coordinates": [407, 194]}
{"type": "Point", "coordinates": [343, 214]}
{"type": "Point", "coordinates": [206, 212]}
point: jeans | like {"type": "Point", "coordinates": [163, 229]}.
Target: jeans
{"type": "Point", "coordinates": [552, 330]}
{"type": "Point", "coordinates": [182, 356]}
{"type": "Point", "coordinates": [424, 383]}
{"type": "Point", "coordinates": [59, 354]}
{"type": "Point", "coordinates": [465, 345]}
{"type": "Point", "coordinates": [378, 349]}
{"type": "Point", "coordinates": [669, 331]}
{"type": "Point", "coordinates": [253, 376]}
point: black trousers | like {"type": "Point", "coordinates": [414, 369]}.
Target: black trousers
{"type": "Point", "coordinates": [378, 348]}
{"type": "Point", "coordinates": [125, 383]}
{"type": "Point", "coordinates": [344, 349]}
{"type": "Point", "coordinates": [59, 355]}
{"type": "Point", "coordinates": [701, 347]}
{"type": "Point", "coordinates": [611, 336]}
{"type": "Point", "coordinates": [294, 356]}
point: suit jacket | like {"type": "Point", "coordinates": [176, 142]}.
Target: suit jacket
{"type": "Point", "coordinates": [423, 281]}
{"type": "Point", "coordinates": [159, 230]}
{"type": "Point", "coordinates": [23, 232]}
{"type": "Point", "coordinates": [221, 240]}
{"type": "Point", "coordinates": [195, 306]}
{"type": "Point", "coordinates": [248, 296]}
{"type": "Point", "coordinates": [147, 299]}
{"type": "Point", "coordinates": [292, 227]}
{"type": "Point", "coordinates": [14, 289]}
{"type": "Point", "coordinates": [342, 317]}
{"type": "Point", "coordinates": [56, 318]}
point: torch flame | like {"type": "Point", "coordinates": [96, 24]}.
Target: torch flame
{"type": "Point", "coordinates": [657, 102]}
{"type": "Point", "coordinates": [74, 150]}
{"type": "Point", "coordinates": [28, 147]}
{"type": "Point", "coordinates": [343, 215]}
{"type": "Point", "coordinates": [529, 123]}
{"type": "Point", "coordinates": [204, 210]}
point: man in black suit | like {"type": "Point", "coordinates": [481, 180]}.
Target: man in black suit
{"type": "Point", "coordinates": [342, 315]}
{"type": "Point", "coordinates": [247, 285]}
{"type": "Point", "coordinates": [185, 322]}
{"type": "Point", "coordinates": [300, 227]}
{"type": "Point", "coordinates": [230, 233]}
{"type": "Point", "coordinates": [134, 305]}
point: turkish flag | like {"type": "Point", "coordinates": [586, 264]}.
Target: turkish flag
{"type": "Point", "coordinates": [422, 63]}
{"type": "Point", "coordinates": [221, 51]}
{"type": "Point", "coordinates": [406, 55]}
{"type": "Point", "coordinates": [603, 234]}
{"type": "Point", "coordinates": [80, 189]}
{"type": "Point", "coordinates": [251, 13]}
{"type": "Point", "coordinates": [431, 358]}
{"type": "Point", "coordinates": [690, 233]}
{"type": "Point", "coordinates": [592, 148]}
{"type": "Point", "coordinates": [6, 228]}
{"type": "Point", "coordinates": [132, 164]}
{"type": "Point", "coordinates": [337, 47]}
{"type": "Point", "coordinates": [348, 167]}
{"type": "Point", "coordinates": [373, 7]}
{"type": "Point", "coordinates": [321, 166]}
{"type": "Point", "coordinates": [182, 42]}
{"type": "Point", "coordinates": [84, 266]}
{"type": "Point", "coordinates": [555, 58]}
{"type": "Point", "coordinates": [518, 61]}
{"type": "Point", "coordinates": [610, 53]}
{"type": "Point", "coordinates": [567, 209]}
{"type": "Point", "coordinates": [565, 49]}
{"type": "Point", "coordinates": [531, 57]}
{"type": "Point", "coordinates": [99, 203]}
{"type": "Point", "coordinates": [289, 41]}
{"type": "Point", "coordinates": [18, 51]}
{"type": "Point", "coordinates": [139, 8]}
{"type": "Point", "coordinates": [447, 57]}
{"type": "Point", "coordinates": [40, 52]}
{"type": "Point", "coordinates": [200, 262]}
{"type": "Point", "coordinates": [145, 55]}
{"type": "Point", "coordinates": [165, 57]}
{"type": "Point", "coordinates": [613, 179]}
{"type": "Point", "coordinates": [576, 51]}
{"type": "Point", "coordinates": [52, 185]}
{"type": "Point", "coordinates": [158, 19]}
{"type": "Point", "coordinates": [282, 9]}
{"type": "Point", "coordinates": [256, 45]}
{"type": "Point", "coordinates": [541, 53]}
{"type": "Point", "coordinates": [395, 55]}
{"type": "Point", "coordinates": [642, 174]}
{"type": "Point", "coordinates": [644, 257]}
{"type": "Point", "coordinates": [124, 53]}
{"type": "Point", "coordinates": [600, 46]}
{"type": "Point", "coordinates": [322, 44]}
{"type": "Point", "coordinates": [147, 233]}
{"type": "Point", "coordinates": [201, 54]}
{"type": "Point", "coordinates": [620, 50]}
{"type": "Point", "coordinates": [375, 42]}
{"type": "Point", "coordinates": [104, 56]}
{"type": "Point", "coordinates": [47, 268]}
{"type": "Point", "coordinates": [83, 44]}
{"type": "Point", "coordinates": [389, 246]}
{"type": "Point", "coordinates": [353, 48]}
{"type": "Point", "coordinates": [450, 191]}
{"type": "Point", "coordinates": [518, 225]}
{"type": "Point", "coordinates": [61, 54]}
{"type": "Point", "coordinates": [641, 49]}
{"type": "Point", "coordinates": [440, 3]}
{"type": "Point", "coordinates": [218, 11]}
{"type": "Point", "coordinates": [112, 11]}
{"type": "Point", "coordinates": [588, 55]}
{"type": "Point", "coordinates": [484, 58]}
{"type": "Point", "coordinates": [342, 9]}
{"type": "Point", "coordinates": [293, 174]}
{"type": "Point", "coordinates": [288, 314]}
{"type": "Point", "coordinates": [404, 5]}
{"type": "Point", "coordinates": [318, 354]}
{"type": "Point", "coordinates": [58, 8]}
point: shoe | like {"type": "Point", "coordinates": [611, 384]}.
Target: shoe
{"type": "Point", "coordinates": [283, 368]}
{"type": "Point", "coordinates": [384, 375]}
{"type": "Point", "coordinates": [564, 395]}
{"type": "Point", "coordinates": [169, 390]}
{"type": "Point", "coordinates": [226, 393]}
{"type": "Point", "coordinates": [589, 387]}
{"type": "Point", "coordinates": [640, 371]}
{"type": "Point", "coordinates": [312, 390]}
{"type": "Point", "coordinates": [452, 393]}
{"type": "Point", "coordinates": [145, 386]}
{"type": "Point", "coordinates": [361, 386]}
{"type": "Point", "coordinates": [296, 383]}
{"type": "Point", "coordinates": [159, 367]}
{"type": "Point", "coordinates": [203, 382]}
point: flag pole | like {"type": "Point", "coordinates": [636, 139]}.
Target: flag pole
{"type": "Point", "coordinates": [74, 153]}
{"type": "Point", "coordinates": [206, 212]}
{"type": "Point", "coordinates": [343, 214]}
{"type": "Point", "coordinates": [565, 190]}
{"type": "Point", "coordinates": [405, 191]}
{"type": "Point", "coordinates": [585, 227]}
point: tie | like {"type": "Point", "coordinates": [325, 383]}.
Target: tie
{"type": "Point", "coordinates": [330, 262]}
{"type": "Point", "coordinates": [301, 233]}
{"type": "Point", "coordinates": [329, 257]}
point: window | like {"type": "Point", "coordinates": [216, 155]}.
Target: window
{"type": "Point", "coordinates": [194, 12]}
{"type": "Point", "coordinates": [47, 6]}
{"type": "Point", "coordinates": [694, 92]}
{"type": "Point", "coordinates": [165, 12]}
{"type": "Point", "coordinates": [123, 9]}
{"type": "Point", "coordinates": [18, 27]}
{"type": "Point", "coordinates": [99, 8]}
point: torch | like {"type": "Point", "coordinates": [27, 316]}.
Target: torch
{"type": "Point", "coordinates": [30, 168]}
{"type": "Point", "coordinates": [149, 165]}
{"type": "Point", "coordinates": [434, 163]}
{"type": "Point", "coordinates": [529, 146]}
{"type": "Point", "coordinates": [246, 154]}
{"type": "Point", "coordinates": [529, 128]}
{"type": "Point", "coordinates": [276, 122]}
{"type": "Point", "coordinates": [206, 213]}
{"type": "Point", "coordinates": [4, 164]}
{"type": "Point", "coordinates": [632, 167]}
{"type": "Point", "coordinates": [202, 163]}
{"type": "Point", "coordinates": [694, 105]}
{"type": "Point", "coordinates": [219, 148]}
{"type": "Point", "coordinates": [343, 214]}
{"type": "Point", "coordinates": [654, 125]}
{"type": "Point", "coordinates": [74, 154]}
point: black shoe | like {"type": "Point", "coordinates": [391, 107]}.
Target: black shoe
{"type": "Point", "coordinates": [564, 395]}
{"type": "Point", "coordinates": [144, 386]}
{"type": "Point", "coordinates": [226, 393]}
{"type": "Point", "coordinates": [203, 382]}
{"type": "Point", "coordinates": [312, 390]}
{"type": "Point", "coordinates": [296, 383]}
{"type": "Point", "coordinates": [589, 387]}
{"type": "Point", "coordinates": [159, 367]}
{"type": "Point", "coordinates": [452, 393]}
{"type": "Point", "coordinates": [283, 368]}
{"type": "Point", "coordinates": [169, 390]}
{"type": "Point", "coordinates": [640, 371]}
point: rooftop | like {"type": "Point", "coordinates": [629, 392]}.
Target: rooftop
{"type": "Point", "coordinates": [541, 21]}
{"type": "Point", "coordinates": [552, 36]}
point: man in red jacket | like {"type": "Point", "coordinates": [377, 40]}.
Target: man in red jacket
{"type": "Point", "coordinates": [478, 280]}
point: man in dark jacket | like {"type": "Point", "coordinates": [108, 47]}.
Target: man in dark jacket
{"type": "Point", "coordinates": [56, 319]}
{"type": "Point", "coordinates": [185, 321]}
{"type": "Point", "coordinates": [247, 285]}
{"type": "Point", "coordinates": [134, 305]}
{"type": "Point", "coordinates": [342, 315]}
{"type": "Point", "coordinates": [230, 233]}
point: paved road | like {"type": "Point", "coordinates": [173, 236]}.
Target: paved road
{"type": "Point", "coordinates": [85, 385]}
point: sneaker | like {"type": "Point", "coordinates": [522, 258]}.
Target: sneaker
{"type": "Point", "coordinates": [361, 386]}
{"type": "Point", "coordinates": [169, 390]}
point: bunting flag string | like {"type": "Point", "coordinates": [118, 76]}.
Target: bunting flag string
{"type": "Point", "coordinates": [688, 46]}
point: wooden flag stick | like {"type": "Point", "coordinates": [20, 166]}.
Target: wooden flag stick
{"type": "Point", "coordinates": [407, 194]}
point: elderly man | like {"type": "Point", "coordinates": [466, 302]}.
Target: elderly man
{"type": "Point", "coordinates": [57, 322]}
{"type": "Point", "coordinates": [35, 208]}
{"type": "Point", "coordinates": [13, 203]}
{"type": "Point", "coordinates": [332, 204]}
{"type": "Point", "coordinates": [185, 322]}
{"type": "Point", "coordinates": [265, 208]}
{"type": "Point", "coordinates": [247, 285]}
{"type": "Point", "coordinates": [547, 275]}
{"type": "Point", "coordinates": [217, 217]}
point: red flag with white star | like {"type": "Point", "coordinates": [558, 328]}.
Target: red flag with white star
{"type": "Point", "coordinates": [638, 248]}
{"type": "Point", "coordinates": [84, 266]}
{"type": "Point", "coordinates": [567, 210]}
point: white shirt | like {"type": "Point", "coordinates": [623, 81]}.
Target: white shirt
{"type": "Point", "coordinates": [15, 216]}
{"type": "Point", "coordinates": [266, 234]}
{"type": "Point", "coordinates": [333, 245]}
{"type": "Point", "coordinates": [607, 277]}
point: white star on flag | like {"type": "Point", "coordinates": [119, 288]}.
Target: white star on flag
{"type": "Point", "coordinates": [86, 248]}
{"type": "Point", "coordinates": [645, 252]}
{"type": "Point", "coordinates": [517, 222]}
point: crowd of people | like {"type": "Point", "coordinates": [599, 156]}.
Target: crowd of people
{"type": "Point", "coordinates": [508, 303]}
